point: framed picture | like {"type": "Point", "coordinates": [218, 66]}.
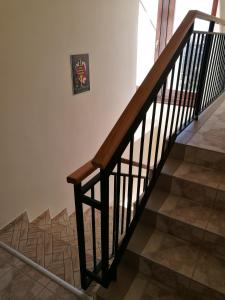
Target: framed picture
{"type": "Point", "coordinates": [80, 73]}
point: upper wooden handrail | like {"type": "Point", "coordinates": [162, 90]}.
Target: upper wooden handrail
{"type": "Point", "coordinates": [132, 110]}
{"type": "Point", "coordinates": [81, 173]}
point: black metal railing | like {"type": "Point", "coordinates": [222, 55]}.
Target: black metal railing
{"type": "Point", "coordinates": [117, 194]}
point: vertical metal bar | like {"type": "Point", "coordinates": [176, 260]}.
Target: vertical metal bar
{"type": "Point", "coordinates": [203, 70]}
{"type": "Point", "coordinates": [175, 95]}
{"type": "Point", "coordinates": [93, 228]}
{"type": "Point", "coordinates": [199, 60]}
{"type": "Point", "coordinates": [189, 81]}
{"type": "Point", "coordinates": [117, 204]}
{"type": "Point", "coordinates": [213, 71]}
{"type": "Point", "coordinates": [168, 108]}
{"type": "Point", "coordinates": [140, 160]}
{"type": "Point", "coordinates": [215, 78]}
{"type": "Point", "coordinates": [80, 234]}
{"type": "Point", "coordinates": [150, 141]}
{"type": "Point", "coordinates": [130, 184]}
{"type": "Point", "coordinates": [123, 204]}
{"type": "Point", "coordinates": [104, 187]}
{"type": "Point", "coordinates": [191, 91]}
{"type": "Point", "coordinates": [182, 92]}
{"type": "Point", "coordinates": [114, 214]}
{"type": "Point", "coordinates": [221, 65]}
{"type": "Point", "coordinates": [182, 85]}
{"type": "Point", "coordinates": [209, 73]}
{"type": "Point", "coordinates": [208, 83]}
{"type": "Point", "coordinates": [159, 128]}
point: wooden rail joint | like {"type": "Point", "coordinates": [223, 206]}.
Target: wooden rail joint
{"type": "Point", "coordinates": [81, 173]}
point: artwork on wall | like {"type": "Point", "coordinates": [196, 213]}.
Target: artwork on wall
{"type": "Point", "coordinates": [80, 73]}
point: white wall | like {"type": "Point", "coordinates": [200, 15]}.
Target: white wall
{"type": "Point", "coordinates": [46, 132]}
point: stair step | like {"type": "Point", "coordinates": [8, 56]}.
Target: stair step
{"type": "Point", "coordinates": [199, 156]}
{"type": "Point", "coordinates": [189, 220]}
{"type": "Point", "coordinates": [202, 184]}
{"type": "Point", "coordinates": [180, 265]}
{"type": "Point", "coordinates": [146, 288]}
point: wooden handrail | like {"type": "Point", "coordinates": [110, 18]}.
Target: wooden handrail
{"type": "Point", "coordinates": [132, 110]}
{"type": "Point", "coordinates": [81, 173]}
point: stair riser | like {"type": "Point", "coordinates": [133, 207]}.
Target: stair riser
{"type": "Point", "coordinates": [201, 193]}
{"type": "Point", "coordinates": [195, 235]}
{"type": "Point", "coordinates": [202, 157]}
{"type": "Point", "coordinates": [185, 287]}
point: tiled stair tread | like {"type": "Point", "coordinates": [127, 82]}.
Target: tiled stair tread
{"type": "Point", "coordinates": [199, 155]}
{"type": "Point", "coordinates": [201, 175]}
{"type": "Point", "coordinates": [194, 214]}
{"type": "Point", "coordinates": [185, 259]}
{"type": "Point", "coordinates": [146, 288]}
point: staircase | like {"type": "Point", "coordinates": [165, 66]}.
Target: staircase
{"type": "Point", "coordinates": [154, 194]}
{"type": "Point", "coordinates": [178, 249]}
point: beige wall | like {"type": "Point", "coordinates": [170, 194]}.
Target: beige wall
{"type": "Point", "coordinates": [220, 14]}
{"type": "Point", "coordinates": [46, 132]}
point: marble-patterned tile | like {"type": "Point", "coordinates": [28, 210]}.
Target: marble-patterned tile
{"type": "Point", "coordinates": [215, 244]}
{"type": "Point", "coordinates": [19, 286]}
{"type": "Point", "coordinates": [186, 210]}
{"type": "Point", "coordinates": [194, 191]}
{"type": "Point", "coordinates": [200, 291]}
{"type": "Point", "coordinates": [198, 174]}
{"type": "Point", "coordinates": [170, 278]}
{"type": "Point", "coordinates": [46, 295]}
{"type": "Point", "coordinates": [60, 291]}
{"type": "Point", "coordinates": [219, 202]}
{"type": "Point", "coordinates": [216, 222]}
{"type": "Point", "coordinates": [204, 157]}
{"type": "Point", "coordinates": [210, 271]}
{"type": "Point", "coordinates": [171, 252]}
{"type": "Point", "coordinates": [186, 232]}
{"type": "Point", "coordinates": [35, 275]}
{"type": "Point", "coordinates": [144, 288]}
{"type": "Point", "coordinates": [209, 140]}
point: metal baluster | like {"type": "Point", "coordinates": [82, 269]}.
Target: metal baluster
{"type": "Point", "coordinates": [140, 160]}
{"type": "Point", "coordinates": [130, 184]}
{"type": "Point", "coordinates": [183, 85]}
{"type": "Point", "coordinates": [209, 72]}
{"type": "Point", "coordinates": [168, 108]}
{"type": "Point", "coordinates": [159, 128]}
{"type": "Point", "coordinates": [191, 92]}
{"type": "Point", "coordinates": [93, 229]}
{"type": "Point", "coordinates": [151, 132]}
{"type": "Point", "coordinates": [117, 204]}
{"type": "Point", "coordinates": [80, 234]}
{"type": "Point", "coordinates": [104, 182]}
{"type": "Point", "coordinates": [189, 80]}
{"type": "Point", "coordinates": [123, 204]}
{"type": "Point", "coordinates": [201, 44]}
{"type": "Point", "coordinates": [175, 96]}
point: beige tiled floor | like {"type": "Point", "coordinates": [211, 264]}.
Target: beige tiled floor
{"type": "Point", "coordinates": [19, 281]}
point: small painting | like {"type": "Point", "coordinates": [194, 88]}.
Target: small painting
{"type": "Point", "coordinates": [80, 73]}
